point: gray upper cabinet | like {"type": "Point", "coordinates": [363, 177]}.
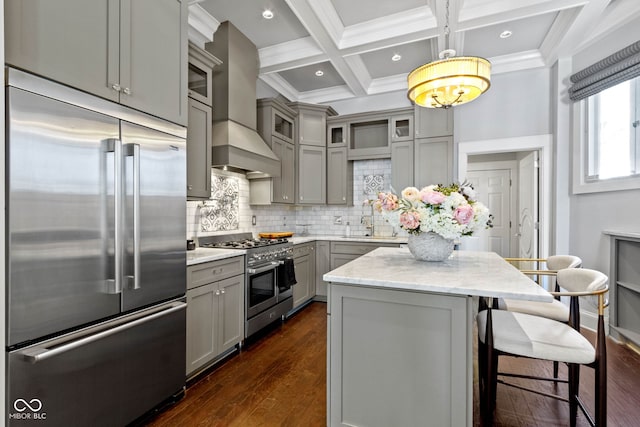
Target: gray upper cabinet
{"type": "Point", "coordinates": [337, 134]}
{"type": "Point", "coordinates": [339, 177]}
{"type": "Point", "coordinates": [276, 125]}
{"type": "Point", "coordinates": [200, 116]}
{"type": "Point", "coordinates": [433, 161]}
{"type": "Point", "coordinates": [312, 175]}
{"type": "Point", "coordinates": [402, 127]}
{"type": "Point", "coordinates": [433, 122]}
{"type": "Point", "coordinates": [311, 123]}
{"type": "Point", "coordinates": [402, 165]}
{"type": "Point", "coordinates": [284, 185]}
{"type": "Point", "coordinates": [199, 151]}
{"type": "Point", "coordinates": [369, 138]}
{"type": "Point", "coordinates": [127, 49]}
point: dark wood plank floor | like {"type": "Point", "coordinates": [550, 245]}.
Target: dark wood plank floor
{"type": "Point", "coordinates": [279, 380]}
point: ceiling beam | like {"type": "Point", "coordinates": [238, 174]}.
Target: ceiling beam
{"type": "Point", "coordinates": [310, 20]}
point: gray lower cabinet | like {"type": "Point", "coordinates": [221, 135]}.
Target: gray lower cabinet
{"type": "Point", "coordinates": [323, 265]}
{"type": "Point", "coordinates": [339, 177]}
{"type": "Point", "coordinates": [199, 151]}
{"type": "Point", "coordinates": [343, 252]}
{"type": "Point", "coordinates": [312, 175]}
{"type": "Point", "coordinates": [624, 279]}
{"type": "Point", "coordinates": [398, 358]}
{"type": "Point", "coordinates": [132, 52]}
{"type": "Point", "coordinates": [215, 311]}
{"type": "Point", "coordinates": [304, 259]}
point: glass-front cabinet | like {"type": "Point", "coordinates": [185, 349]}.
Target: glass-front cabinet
{"type": "Point", "coordinates": [282, 126]}
{"type": "Point", "coordinates": [402, 128]}
{"type": "Point", "coordinates": [337, 135]}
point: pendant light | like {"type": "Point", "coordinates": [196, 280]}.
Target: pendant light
{"type": "Point", "coordinates": [452, 80]}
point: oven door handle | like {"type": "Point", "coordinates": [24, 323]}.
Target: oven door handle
{"type": "Point", "coordinates": [271, 266]}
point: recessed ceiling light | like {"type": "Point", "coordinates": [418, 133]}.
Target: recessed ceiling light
{"type": "Point", "coordinates": [319, 73]}
{"type": "Point", "coordinates": [505, 34]}
{"type": "Point", "coordinates": [267, 14]}
{"type": "Point", "coordinates": [396, 57]}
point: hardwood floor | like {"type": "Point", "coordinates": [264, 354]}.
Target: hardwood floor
{"type": "Point", "coordinates": [280, 380]}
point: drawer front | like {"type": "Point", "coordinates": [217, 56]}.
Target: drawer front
{"type": "Point", "coordinates": [357, 248]}
{"type": "Point", "coordinates": [202, 274]}
{"type": "Point", "coordinates": [303, 249]}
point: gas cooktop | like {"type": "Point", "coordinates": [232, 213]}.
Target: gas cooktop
{"type": "Point", "coordinates": [238, 241]}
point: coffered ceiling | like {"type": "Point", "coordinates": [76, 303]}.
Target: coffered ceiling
{"type": "Point", "coordinates": [353, 41]}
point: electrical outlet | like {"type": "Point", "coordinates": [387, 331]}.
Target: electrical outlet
{"type": "Point", "coordinates": [253, 220]}
{"type": "Point", "coordinates": [337, 220]}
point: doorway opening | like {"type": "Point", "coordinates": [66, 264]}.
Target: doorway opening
{"type": "Point", "coordinates": [513, 177]}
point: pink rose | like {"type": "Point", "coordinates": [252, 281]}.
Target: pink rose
{"type": "Point", "coordinates": [432, 197]}
{"type": "Point", "coordinates": [410, 220]}
{"type": "Point", "coordinates": [463, 214]}
{"type": "Point", "coordinates": [390, 202]}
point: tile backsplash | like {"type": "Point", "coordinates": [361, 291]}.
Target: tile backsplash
{"type": "Point", "coordinates": [369, 177]}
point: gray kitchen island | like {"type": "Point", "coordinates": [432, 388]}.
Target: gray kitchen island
{"type": "Point", "coordinates": [400, 335]}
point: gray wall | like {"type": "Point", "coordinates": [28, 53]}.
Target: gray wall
{"type": "Point", "coordinates": [595, 212]}
{"type": "Point", "coordinates": [516, 104]}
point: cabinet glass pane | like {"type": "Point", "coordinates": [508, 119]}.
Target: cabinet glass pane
{"type": "Point", "coordinates": [402, 127]}
{"type": "Point", "coordinates": [337, 136]}
{"type": "Point", "coordinates": [197, 80]}
{"type": "Point", "coordinates": [370, 134]}
{"type": "Point", "coordinates": [283, 126]}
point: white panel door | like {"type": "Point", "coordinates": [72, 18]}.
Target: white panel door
{"type": "Point", "coordinates": [493, 190]}
{"type": "Point", "coordinates": [528, 206]}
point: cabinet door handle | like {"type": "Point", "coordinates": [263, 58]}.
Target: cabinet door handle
{"type": "Point", "coordinates": [222, 291]}
{"type": "Point", "coordinates": [116, 87]}
{"type": "Point", "coordinates": [217, 292]}
{"type": "Point", "coordinates": [126, 91]}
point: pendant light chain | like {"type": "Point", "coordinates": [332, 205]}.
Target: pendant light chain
{"type": "Point", "coordinates": [446, 27]}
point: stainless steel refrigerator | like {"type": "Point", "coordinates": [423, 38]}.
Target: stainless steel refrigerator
{"type": "Point", "coordinates": [96, 264]}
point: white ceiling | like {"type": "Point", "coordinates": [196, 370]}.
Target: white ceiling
{"type": "Point", "coordinates": [352, 41]}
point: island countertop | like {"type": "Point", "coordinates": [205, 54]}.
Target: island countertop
{"type": "Point", "coordinates": [463, 273]}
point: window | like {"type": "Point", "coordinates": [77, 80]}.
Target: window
{"type": "Point", "coordinates": [613, 134]}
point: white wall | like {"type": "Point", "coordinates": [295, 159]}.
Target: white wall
{"type": "Point", "coordinates": [516, 104]}
{"type": "Point", "coordinates": [595, 212]}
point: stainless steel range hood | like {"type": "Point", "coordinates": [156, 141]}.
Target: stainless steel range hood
{"type": "Point", "coordinates": [236, 144]}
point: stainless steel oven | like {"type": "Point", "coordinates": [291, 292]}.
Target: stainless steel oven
{"type": "Point", "coordinates": [269, 296]}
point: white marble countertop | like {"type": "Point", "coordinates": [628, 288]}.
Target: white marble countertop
{"type": "Point", "coordinates": [200, 255]}
{"type": "Point", "coordinates": [296, 240]}
{"type": "Point", "coordinates": [464, 273]}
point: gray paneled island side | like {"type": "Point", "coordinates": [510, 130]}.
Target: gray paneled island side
{"type": "Point", "coordinates": [399, 344]}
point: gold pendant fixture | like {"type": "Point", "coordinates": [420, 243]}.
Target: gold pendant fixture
{"type": "Point", "coordinates": [452, 80]}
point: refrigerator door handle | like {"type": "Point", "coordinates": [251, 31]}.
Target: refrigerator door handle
{"type": "Point", "coordinates": [133, 150]}
{"type": "Point", "coordinates": [38, 354]}
{"type": "Point", "coordinates": [114, 285]}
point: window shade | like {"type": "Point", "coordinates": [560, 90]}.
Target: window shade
{"type": "Point", "coordinates": [617, 68]}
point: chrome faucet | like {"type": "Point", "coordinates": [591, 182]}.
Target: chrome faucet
{"type": "Point", "coordinates": [369, 221]}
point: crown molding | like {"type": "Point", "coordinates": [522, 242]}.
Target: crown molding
{"type": "Point", "coordinates": [202, 25]}
{"type": "Point", "coordinates": [517, 62]}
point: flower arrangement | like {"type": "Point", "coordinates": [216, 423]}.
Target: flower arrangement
{"type": "Point", "coordinates": [450, 211]}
